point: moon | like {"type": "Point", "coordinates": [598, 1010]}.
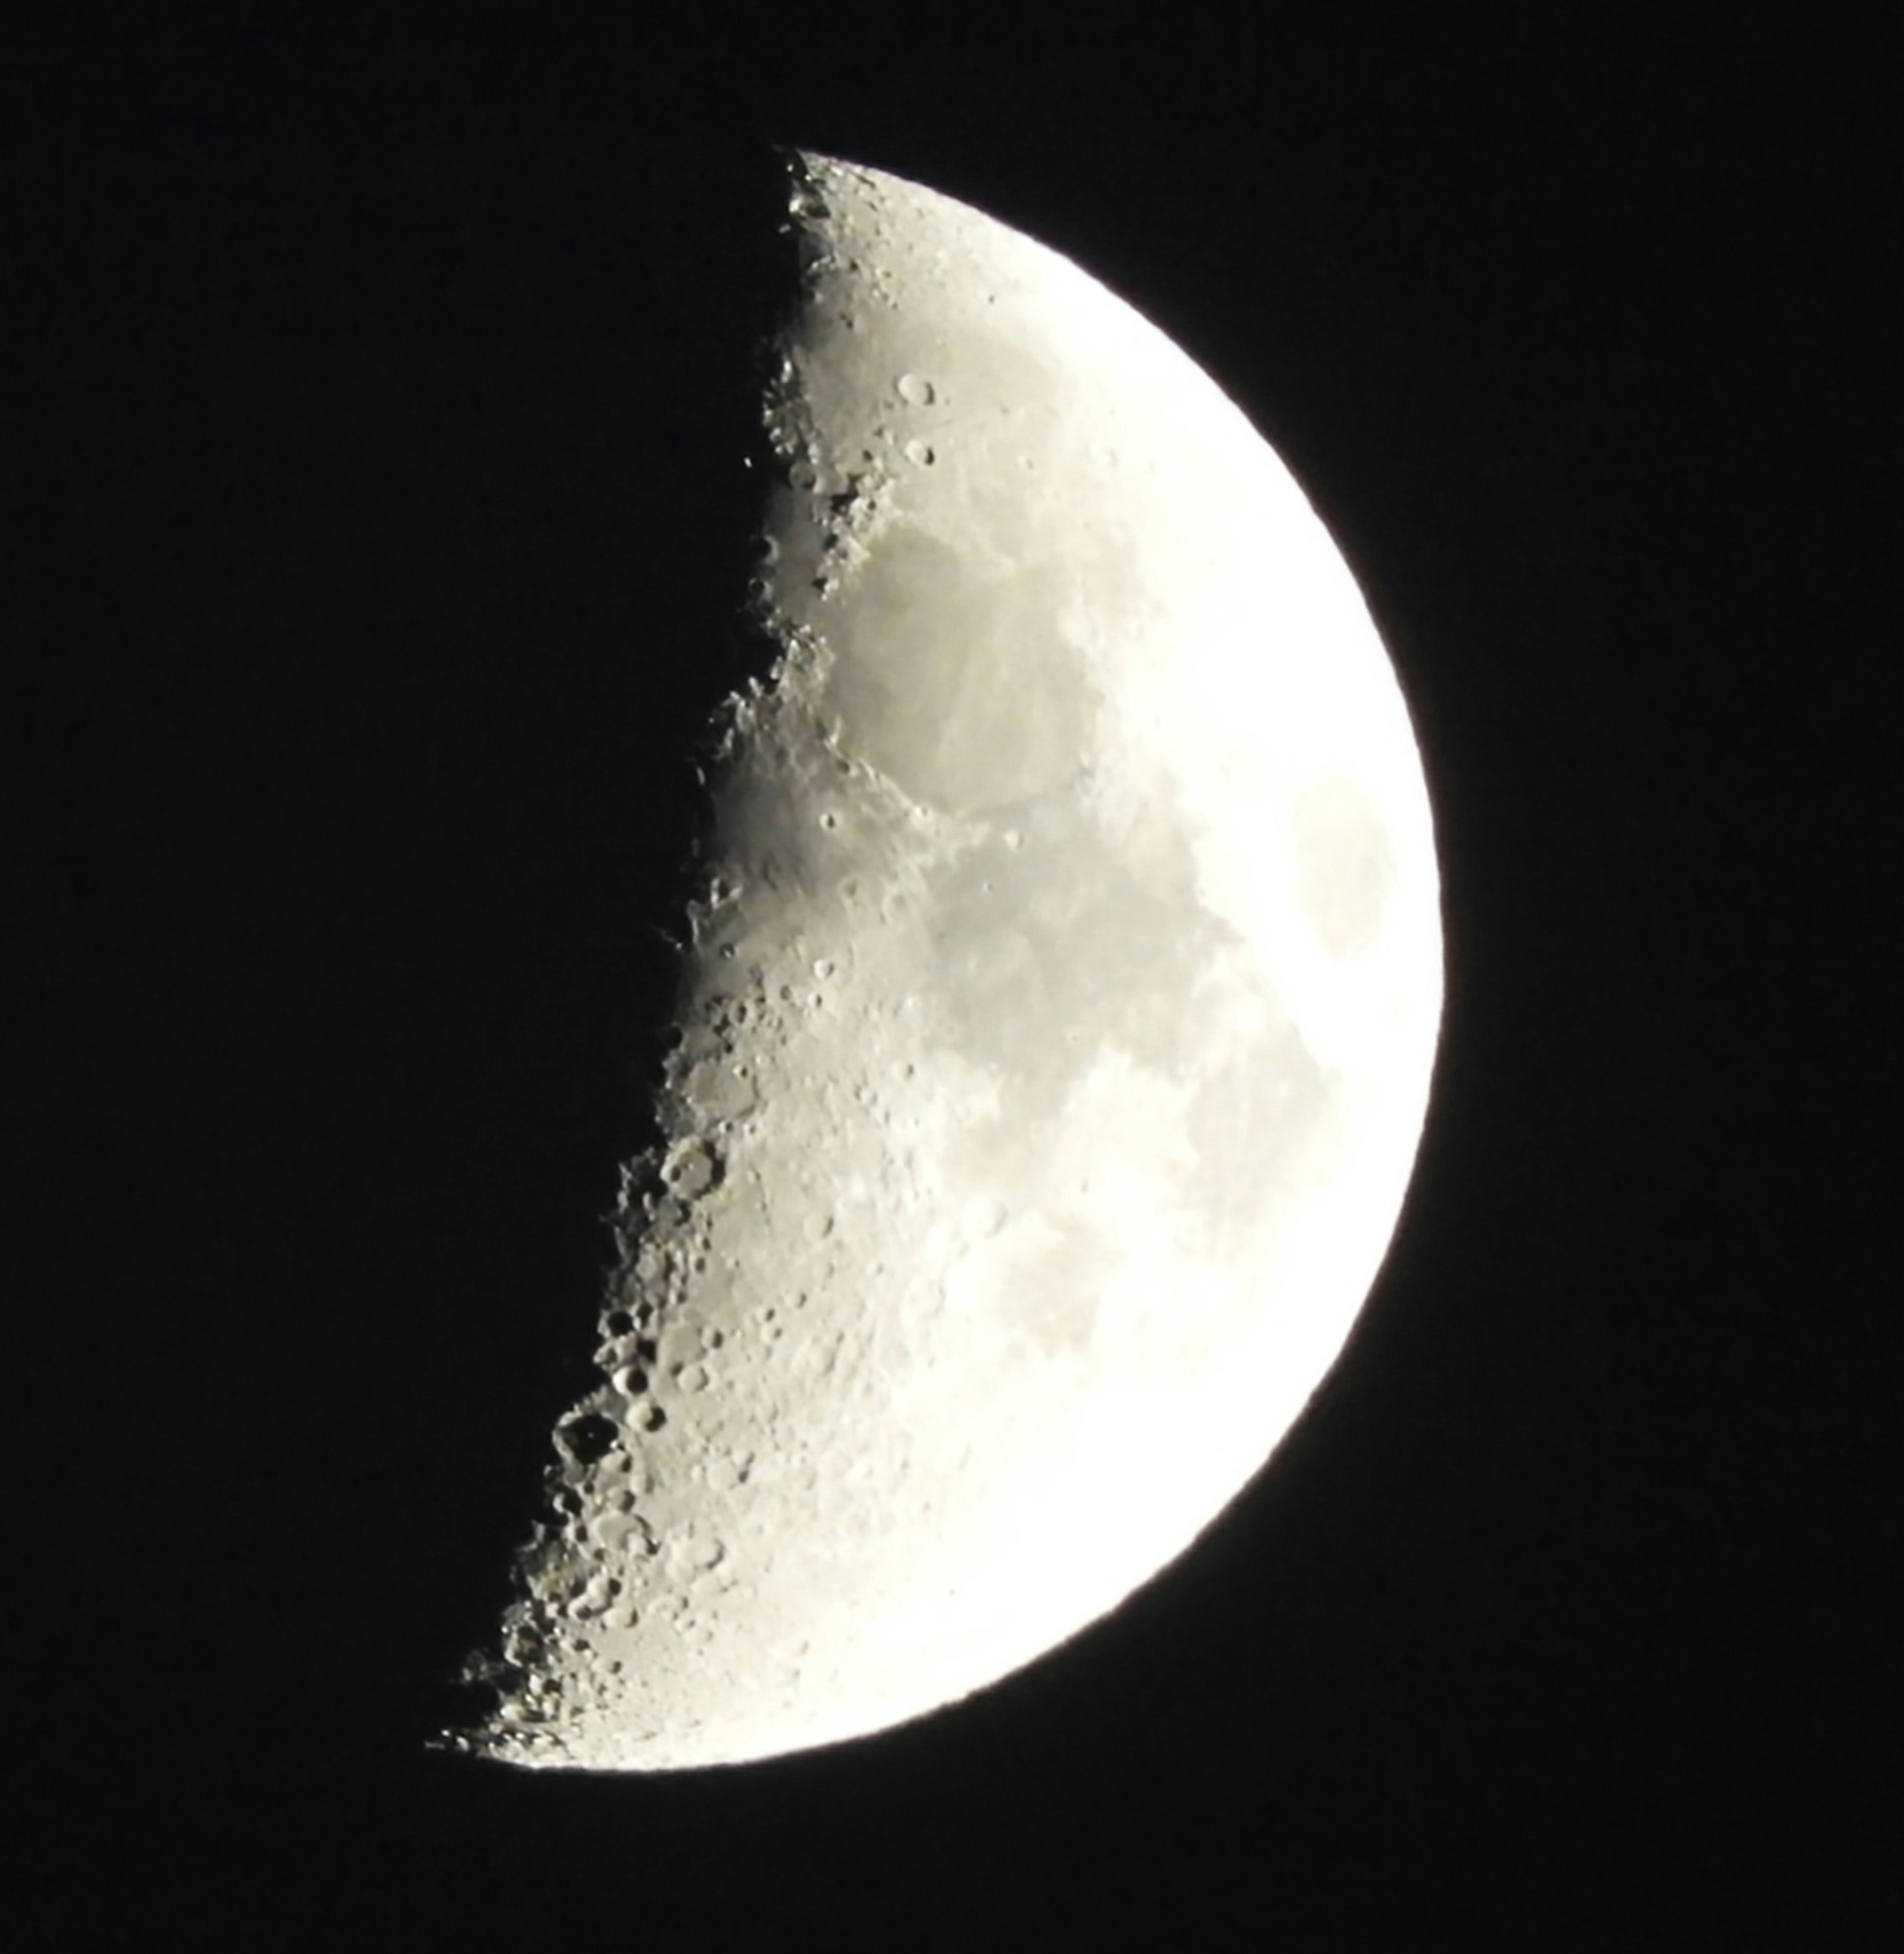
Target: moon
{"type": "Point", "coordinates": [1057, 1014]}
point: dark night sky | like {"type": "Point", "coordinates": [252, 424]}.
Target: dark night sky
{"type": "Point", "coordinates": [385, 413]}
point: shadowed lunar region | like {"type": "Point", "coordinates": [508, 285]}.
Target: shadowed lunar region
{"type": "Point", "coordinates": [1056, 1022]}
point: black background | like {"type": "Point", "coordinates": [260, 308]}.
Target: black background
{"type": "Point", "coordinates": [383, 412]}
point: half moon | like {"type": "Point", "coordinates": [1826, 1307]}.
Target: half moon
{"type": "Point", "coordinates": [1056, 1027]}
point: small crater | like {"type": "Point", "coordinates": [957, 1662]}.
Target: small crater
{"type": "Point", "coordinates": [692, 1168]}
{"type": "Point", "coordinates": [588, 1438]}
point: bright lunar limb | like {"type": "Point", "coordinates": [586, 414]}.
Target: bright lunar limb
{"type": "Point", "coordinates": [1057, 1022]}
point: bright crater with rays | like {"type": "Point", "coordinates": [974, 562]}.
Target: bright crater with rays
{"type": "Point", "coordinates": [1056, 1028]}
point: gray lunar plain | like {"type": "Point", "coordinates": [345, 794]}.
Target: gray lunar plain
{"type": "Point", "coordinates": [1057, 1021]}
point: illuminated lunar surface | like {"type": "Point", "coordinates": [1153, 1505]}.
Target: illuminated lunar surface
{"type": "Point", "coordinates": [1057, 1015]}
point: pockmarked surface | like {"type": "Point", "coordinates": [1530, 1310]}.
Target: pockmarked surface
{"type": "Point", "coordinates": [1057, 1018]}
